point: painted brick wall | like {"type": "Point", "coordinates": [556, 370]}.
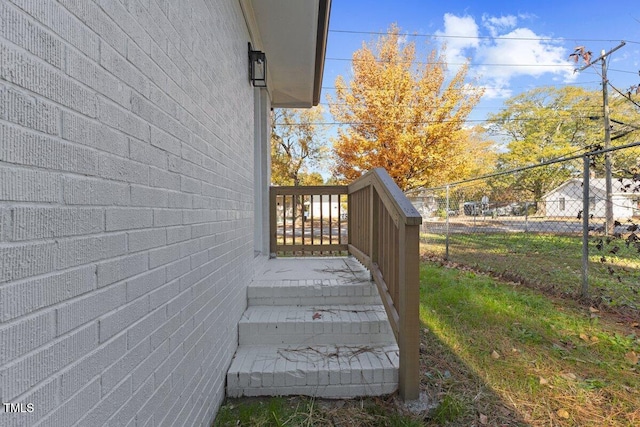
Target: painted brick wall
{"type": "Point", "coordinates": [126, 208]}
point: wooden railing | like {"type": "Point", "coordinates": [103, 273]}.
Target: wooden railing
{"type": "Point", "coordinates": [308, 220]}
{"type": "Point", "coordinates": [374, 221]}
{"type": "Point", "coordinates": [384, 235]}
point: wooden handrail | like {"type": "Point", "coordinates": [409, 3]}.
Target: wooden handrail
{"type": "Point", "coordinates": [395, 199]}
{"type": "Point", "coordinates": [382, 233]}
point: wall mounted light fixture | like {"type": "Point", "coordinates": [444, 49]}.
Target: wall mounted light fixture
{"type": "Point", "coordinates": [257, 67]}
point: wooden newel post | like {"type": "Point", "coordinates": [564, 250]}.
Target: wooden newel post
{"type": "Point", "coordinates": [273, 222]}
{"type": "Point", "coordinates": [409, 311]}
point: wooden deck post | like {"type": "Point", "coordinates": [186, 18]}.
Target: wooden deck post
{"type": "Point", "coordinates": [374, 219]}
{"type": "Point", "coordinates": [273, 222]}
{"type": "Point", "coordinates": [409, 336]}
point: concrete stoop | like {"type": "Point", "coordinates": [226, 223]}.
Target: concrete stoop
{"type": "Point", "coordinates": [314, 327]}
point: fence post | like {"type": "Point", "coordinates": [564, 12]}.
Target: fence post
{"type": "Point", "coordinates": [585, 227]}
{"type": "Point", "coordinates": [526, 217]}
{"type": "Point", "coordinates": [446, 244]}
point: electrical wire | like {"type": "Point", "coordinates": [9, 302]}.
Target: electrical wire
{"type": "Point", "coordinates": [471, 64]}
{"type": "Point", "coordinates": [584, 110]}
{"type": "Point", "coordinates": [486, 87]}
{"type": "Point", "coordinates": [623, 71]}
{"type": "Point", "coordinates": [623, 95]}
{"type": "Point", "coordinates": [568, 65]}
{"type": "Point", "coordinates": [424, 122]}
{"type": "Point", "coordinates": [444, 36]}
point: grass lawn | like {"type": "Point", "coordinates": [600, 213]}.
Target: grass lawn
{"type": "Point", "coordinates": [551, 262]}
{"type": "Point", "coordinates": [493, 353]}
{"type": "Point", "coordinates": [508, 355]}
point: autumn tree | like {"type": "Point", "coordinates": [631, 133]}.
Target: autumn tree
{"type": "Point", "coordinates": [403, 115]}
{"type": "Point", "coordinates": [297, 146]}
{"type": "Point", "coordinates": [543, 124]}
{"type": "Point", "coordinates": [480, 147]}
{"type": "Point", "coordinates": [479, 144]}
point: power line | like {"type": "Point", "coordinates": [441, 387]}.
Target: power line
{"type": "Point", "coordinates": [568, 65]}
{"type": "Point", "coordinates": [409, 122]}
{"type": "Point", "coordinates": [481, 86]}
{"type": "Point", "coordinates": [444, 36]}
{"type": "Point", "coordinates": [623, 95]}
{"type": "Point", "coordinates": [586, 109]}
{"type": "Point", "coordinates": [623, 71]}
{"type": "Point", "coordinates": [470, 64]}
{"type": "Point", "coordinates": [537, 165]}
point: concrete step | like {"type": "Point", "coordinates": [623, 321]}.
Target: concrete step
{"type": "Point", "coordinates": [315, 370]}
{"type": "Point", "coordinates": [317, 325]}
{"type": "Point", "coordinates": [312, 292]}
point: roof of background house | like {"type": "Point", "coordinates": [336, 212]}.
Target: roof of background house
{"type": "Point", "coordinates": [618, 186]}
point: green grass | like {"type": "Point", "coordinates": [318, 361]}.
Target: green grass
{"type": "Point", "coordinates": [271, 412]}
{"type": "Point", "coordinates": [510, 350]}
{"type": "Point", "coordinates": [304, 411]}
{"type": "Point", "coordinates": [553, 262]}
{"type": "Point", "coordinates": [493, 353]}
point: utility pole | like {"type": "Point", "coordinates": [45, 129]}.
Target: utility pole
{"type": "Point", "coordinates": [607, 144]}
{"type": "Point", "coordinates": [609, 221]}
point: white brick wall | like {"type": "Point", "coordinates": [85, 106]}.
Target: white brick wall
{"type": "Point", "coordinates": [126, 208]}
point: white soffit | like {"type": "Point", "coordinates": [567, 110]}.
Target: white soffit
{"type": "Point", "coordinates": [288, 30]}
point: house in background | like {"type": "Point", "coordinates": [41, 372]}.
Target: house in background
{"type": "Point", "coordinates": [424, 201]}
{"type": "Point", "coordinates": [134, 179]}
{"type": "Point", "coordinates": [326, 206]}
{"type": "Point", "coordinates": [566, 199]}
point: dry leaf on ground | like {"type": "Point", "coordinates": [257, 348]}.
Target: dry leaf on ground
{"type": "Point", "coordinates": [484, 420]}
{"type": "Point", "coordinates": [569, 376]}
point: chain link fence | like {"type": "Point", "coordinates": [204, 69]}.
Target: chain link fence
{"type": "Point", "coordinates": [557, 225]}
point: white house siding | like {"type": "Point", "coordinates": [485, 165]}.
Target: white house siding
{"type": "Point", "coordinates": [566, 200]}
{"type": "Point", "coordinates": [126, 208]}
{"type": "Point", "coordinates": [325, 206]}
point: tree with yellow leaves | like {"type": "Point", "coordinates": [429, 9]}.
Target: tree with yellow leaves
{"type": "Point", "coordinates": [297, 146]}
{"type": "Point", "coordinates": [402, 115]}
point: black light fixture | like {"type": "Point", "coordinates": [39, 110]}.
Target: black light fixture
{"type": "Point", "coordinates": [257, 67]}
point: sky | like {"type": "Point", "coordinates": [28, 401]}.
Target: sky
{"type": "Point", "coordinates": [513, 46]}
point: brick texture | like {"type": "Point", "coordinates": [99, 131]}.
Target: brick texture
{"type": "Point", "coordinates": [126, 217]}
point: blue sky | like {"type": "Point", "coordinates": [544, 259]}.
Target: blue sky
{"type": "Point", "coordinates": [513, 45]}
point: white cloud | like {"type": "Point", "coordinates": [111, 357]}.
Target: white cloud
{"type": "Point", "coordinates": [495, 24]}
{"type": "Point", "coordinates": [460, 35]}
{"type": "Point", "coordinates": [497, 90]}
{"type": "Point", "coordinates": [510, 52]}
{"type": "Point", "coordinates": [522, 52]}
